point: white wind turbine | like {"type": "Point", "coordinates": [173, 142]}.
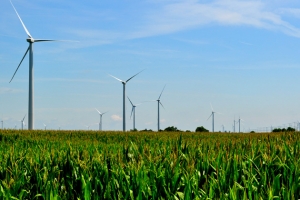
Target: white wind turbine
{"type": "Point", "coordinates": [124, 94]}
{"type": "Point", "coordinates": [45, 126]}
{"type": "Point", "coordinates": [239, 121]}
{"type": "Point", "coordinates": [213, 118]}
{"type": "Point", "coordinates": [30, 40]}
{"type": "Point", "coordinates": [158, 102]}
{"type": "Point", "coordinates": [133, 111]}
{"type": "Point", "coordinates": [100, 123]}
{"type": "Point", "coordinates": [22, 122]}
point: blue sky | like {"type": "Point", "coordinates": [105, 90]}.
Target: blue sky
{"type": "Point", "coordinates": [240, 56]}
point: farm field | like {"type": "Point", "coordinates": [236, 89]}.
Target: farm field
{"type": "Point", "coordinates": [148, 165]}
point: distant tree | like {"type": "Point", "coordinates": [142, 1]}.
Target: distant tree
{"type": "Point", "coordinates": [133, 130]}
{"type": "Point", "coordinates": [290, 129]}
{"type": "Point", "coordinates": [252, 132]}
{"type": "Point", "coordinates": [188, 131]}
{"type": "Point", "coordinates": [171, 129]}
{"type": "Point", "coordinates": [201, 129]}
{"type": "Point", "coordinates": [146, 130]}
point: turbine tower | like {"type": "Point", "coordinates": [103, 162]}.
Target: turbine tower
{"type": "Point", "coordinates": [213, 118]}
{"type": "Point", "coordinates": [30, 40]}
{"type": "Point", "coordinates": [239, 121]}
{"type": "Point", "coordinates": [124, 94]}
{"type": "Point", "coordinates": [45, 126]}
{"type": "Point", "coordinates": [234, 122]}
{"type": "Point", "coordinates": [100, 123]}
{"type": "Point", "coordinates": [158, 102]}
{"type": "Point", "coordinates": [22, 122]}
{"type": "Point", "coordinates": [133, 111]}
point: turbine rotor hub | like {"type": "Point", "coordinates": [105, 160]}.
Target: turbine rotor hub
{"type": "Point", "coordinates": [30, 40]}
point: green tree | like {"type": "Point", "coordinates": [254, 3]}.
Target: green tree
{"type": "Point", "coordinates": [172, 129]}
{"type": "Point", "coordinates": [201, 129]}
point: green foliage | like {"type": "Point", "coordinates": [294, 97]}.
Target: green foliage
{"type": "Point", "coordinates": [201, 129]}
{"type": "Point", "coordinates": [289, 129]}
{"type": "Point", "coordinates": [148, 165]}
{"type": "Point", "coordinates": [171, 129]}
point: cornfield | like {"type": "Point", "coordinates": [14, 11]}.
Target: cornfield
{"type": "Point", "coordinates": [142, 165]}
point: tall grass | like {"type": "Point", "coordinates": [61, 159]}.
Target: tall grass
{"type": "Point", "coordinates": [143, 165]}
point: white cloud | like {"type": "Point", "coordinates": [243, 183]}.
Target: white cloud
{"type": "Point", "coordinates": [4, 90]}
{"type": "Point", "coordinates": [189, 14]}
{"type": "Point", "coordinates": [295, 12]}
{"type": "Point", "coordinates": [116, 118]}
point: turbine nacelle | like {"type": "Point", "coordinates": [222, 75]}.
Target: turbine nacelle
{"type": "Point", "coordinates": [30, 40]}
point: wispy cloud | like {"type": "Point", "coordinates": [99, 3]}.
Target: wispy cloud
{"type": "Point", "coordinates": [173, 16]}
{"type": "Point", "coordinates": [116, 118]}
{"type": "Point", "coordinates": [5, 90]}
{"type": "Point", "coordinates": [190, 14]}
{"type": "Point", "coordinates": [294, 12]}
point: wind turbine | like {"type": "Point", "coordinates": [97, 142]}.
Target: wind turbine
{"type": "Point", "coordinates": [213, 118]}
{"type": "Point", "coordinates": [234, 122]}
{"type": "Point", "coordinates": [2, 123]}
{"type": "Point", "coordinates": [45, 126]}
{"type": "Point", "coordinates": [100, 123]}
{"type": "Point", "coordinates": [30, 40]}
{"type": "Point", "coordinates": [239, 121]}
{"type": "Point", "coordinates": [133, 111]}
{"type": "Point", "coordinates": [124, 94]}
{"type": "Point", "coordinates": [22, 122]}
{"type": "Point", "coordinates": [158, 102]}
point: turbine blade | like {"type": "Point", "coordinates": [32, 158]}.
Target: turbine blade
{"type": "Point", "coordinates": [130, 101]}
{"type": "Point", "coordinates": [133, 76]}
{"type": "Point", "coordinates": [161, 105]}
{"type": "Point", "coordinates": [115, 78]}
{"type": "Point", "coordinates": [131, 112]}
{"type": "Point", "coordinates": [21, 21]}
{"type": "Point", "coordinates": [209, 116]}
{"type": "Point", "coordinates": [98, 111]}
{"type": "Point", "coordinates": [162, 92]}
{"type": "Point", "coordinates": [44, 40]}
{"type": "Point", "coordinates": [24, 117]}
{"type": "Point", "coordinates": [51, 40]}
{"type": "Point", "coordinates": [211, 107]}
{"type": "Point", "coordinates": [19, 64]}
{"type": "Point", "coordinates": [104, 112]}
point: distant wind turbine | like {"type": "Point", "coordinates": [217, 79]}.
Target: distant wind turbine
{"type": "Point", "coordinates": [45, 126]}
{"type": "Point", "coordinates": [239, 121]}
{"type": "Point", "coordinates": [213, 118]}
{"type": "Point", "coordinates": [22, 122]}
{"type": "Point", "coordinates": [100, 123]}
{"type": "Point", "coordinates": [30, 40]}
{"type": "Point", "coordinates": [158, 102]}
{"type": "Point", "coordinates": [2, 123]}
{"type": "Point", "coordinates": [133, 111]}
{"type": "Point", "coordinates": [124, 95]}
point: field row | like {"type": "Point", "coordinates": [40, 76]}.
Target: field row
{"type": "Point", "coordinates": [168, 165]}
